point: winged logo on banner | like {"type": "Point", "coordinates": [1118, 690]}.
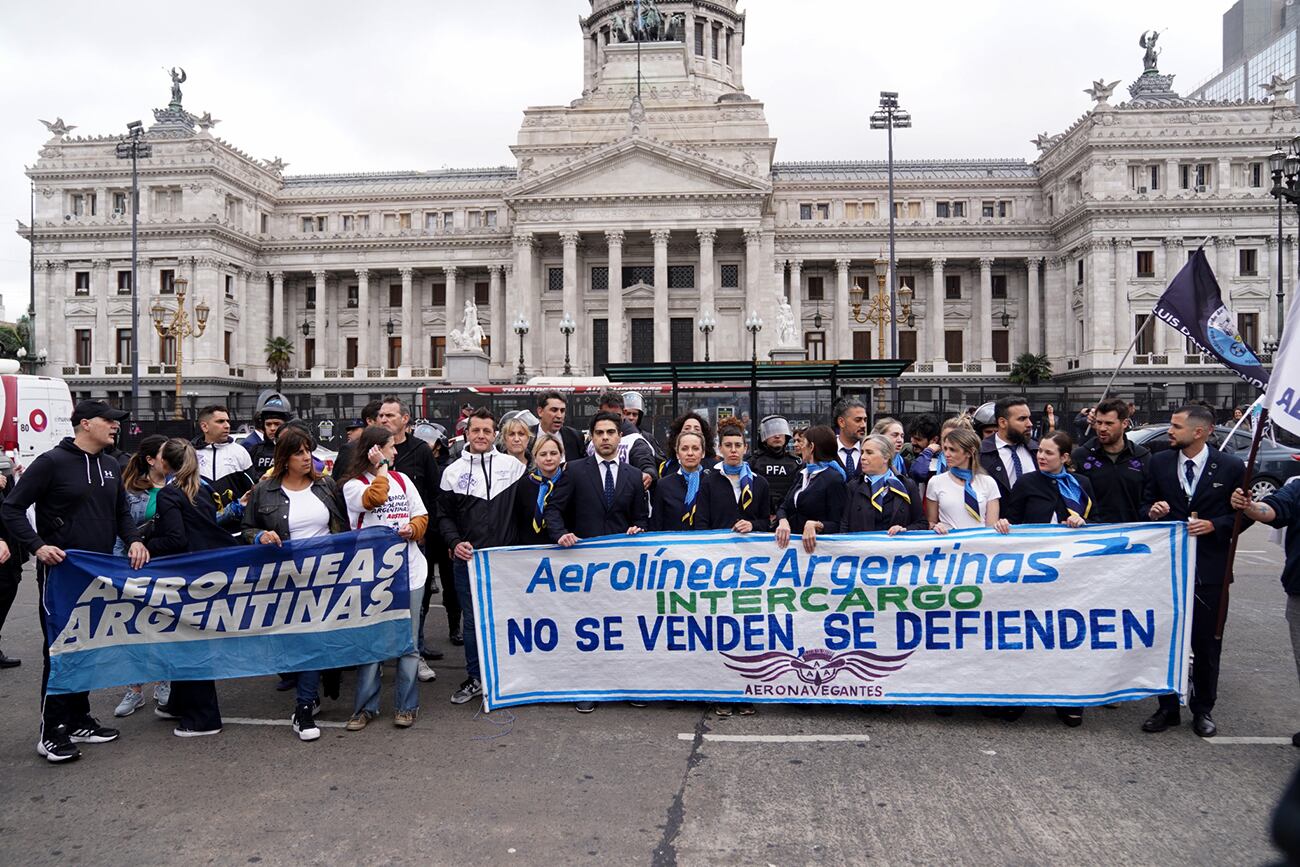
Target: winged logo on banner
{"type": "Point", "coordinates": [816, 666]}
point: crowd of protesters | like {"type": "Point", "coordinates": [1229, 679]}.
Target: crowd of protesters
{"type": "Point", "coordinates": [534, 478]}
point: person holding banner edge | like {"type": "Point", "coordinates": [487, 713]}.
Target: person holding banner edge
{"type": "Point", "coordinates": [815, 503]}
{"type": "Point", "coordinates": [740, 497]}
{"type": "Point", "coordinates": [378, 496]}
{"type": "Point", "coordinates": [880, 500]}
{"type": "Point", "coordinates": [546, 475]}
{"type": "Point", "coordinates": [295, 502]}
{"type": "Point", "coordinates": [1193, 482]}
{"type": "Point", "coordinates": [476, 506]}
{"type": "Point", "coordinates": [963, 497]}
{"type": "Point", "coordinates": [78, 496]}
{"type": "Point", "coordinates": [681, 500]}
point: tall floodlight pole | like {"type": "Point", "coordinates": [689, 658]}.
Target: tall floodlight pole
{"type": "Point", "coordinates": [31, 305]}
{"type": "Point", "coordinates": [890, 117]}
{"type": "Point", "coordinates": [132, 148]}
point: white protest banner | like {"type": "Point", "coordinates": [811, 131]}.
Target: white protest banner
{"type": "Point", "coordinates": [1044, 616]}
{"type": "Point", "coordinates": [1282, 399]}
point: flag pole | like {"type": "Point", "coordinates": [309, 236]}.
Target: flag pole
{"type": "Point", "coordinates": [1236, 525]}
{"type": "Point", "coordinates": [1132, 343]}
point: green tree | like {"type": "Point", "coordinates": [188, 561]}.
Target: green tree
{"type": "Point", "coordinates": [279, 357]}
{"type": "Point", "coordinates": [1030, 369]}
{"type": "Point", "coordinates": [10, 341]}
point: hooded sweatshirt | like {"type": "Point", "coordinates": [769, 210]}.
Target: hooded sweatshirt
{"type": "Point", "coordinates": [218, 460]}
{"type": "Point", "coordinates": [80, 502]}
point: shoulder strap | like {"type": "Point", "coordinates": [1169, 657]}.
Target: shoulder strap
{"type": "Point", "coordinates": [401, 482]}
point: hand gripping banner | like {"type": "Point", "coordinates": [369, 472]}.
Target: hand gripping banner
{"type": "Point", "coordinates": [231, 612]}
{"type": "Point", "coordinates": [1044, 616]}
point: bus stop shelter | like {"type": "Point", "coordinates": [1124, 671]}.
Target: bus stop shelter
{"type": "Point", "coordinates": [832, 375]}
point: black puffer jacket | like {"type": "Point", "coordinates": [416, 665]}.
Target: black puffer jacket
{"type": "Point", "coordinates": [779, 467]}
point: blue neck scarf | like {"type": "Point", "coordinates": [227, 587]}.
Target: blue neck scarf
{"type": "Point", "coordinates": [1076, 501]}
{"type": "Point", "coordinates": [544, 488]}
{"type": "Point", "coordinates": [897, 465]}
{"type": "Point", "coordinates": [746, 474]}
{"type": "Point", "coordinates": [692, 492]}
{"type": "Point", "coordinates": [972, 501]}
{"type": "Point", "coordinates": [814, 469]}
{"type": "Point", "coordinates": [883, 485]}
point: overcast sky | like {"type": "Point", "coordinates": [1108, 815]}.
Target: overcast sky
{"type": "Point", "coordinates": [333, 86]}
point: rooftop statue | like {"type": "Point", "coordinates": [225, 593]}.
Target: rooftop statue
{"type": "Point", "coordinates": [1148, 41]}
{"type": "Point", "coordinates": [177, 81]}
{"type": "Point", "coordinates": [645, 23]}
{"type": "Point", "coordinates": [1279, 87]}
{"type": "Point", "coordinates": [1100, 90]}
{"type": "Point", "coordinates": [58, 129]}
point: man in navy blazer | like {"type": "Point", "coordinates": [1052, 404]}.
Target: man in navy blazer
{"type": "Point", "coordinates": [1010, 452]}
{"type": "Point", "coordinates": [1195, 478]}
{"type": "Point", "coordinates": [599, 495]}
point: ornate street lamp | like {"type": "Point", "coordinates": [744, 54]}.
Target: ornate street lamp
{"type": "Point", "coordinates": [178, 328]}
{"type": "Point", "coordinates": [521, 328]}
{"type": "Point", "coordinates": [1277, 164]}
{"type": "Point", "coordinates": [134, 148]}
{"type": "Point", "coordinates": [890, 117]}
{"type": "Point", "coordinates": [706, 326]}
{"type": "Point", "coordinates": [754, 324]}
{"type": "Point", "coordinates": [567, 327]}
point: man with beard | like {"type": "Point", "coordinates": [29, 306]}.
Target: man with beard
{"type": "Point", "coordinates": [1008, 453]}
{"type": "Point", "coordinates": [851, 422]}
{"type": "Point", "coordinates": [1116, 467]}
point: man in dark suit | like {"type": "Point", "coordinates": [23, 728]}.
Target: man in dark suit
{"type": "Point", "coordinates": [851, 427]}
{"type": "Point", "coordinates": [599, 496]}
{"type": "Point", "coordinates": [1009, 452]}
{"type": "Point", "coordinates": [552, 410]}
{"type": "Point", "coordinates": [1192, 478]}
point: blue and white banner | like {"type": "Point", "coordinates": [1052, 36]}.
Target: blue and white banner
{"type": "Point", "coordinates": [1043, 616]}
{"type": "Point", "coordinates": [232, 612]}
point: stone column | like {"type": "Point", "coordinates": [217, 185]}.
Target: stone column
{"type": "Point", "coordinates": [569, 240]}
{"type": "Point", "coordinates": [1058, 312]}
{"type": "Point", "coordinates": [753, 244]}
{"type": "Point", "coordinates": [410, 327]}
{"type": "Point", "coordinates": [522, 287]}
{"type": "Point", "coordinates": [1102, 297]}
{"type": "Point", "coordinates": [1268, 322]}
{"type": "Point", "coordinates": [103, 335]}
{"type": "Point", "coordinates": [935, 311]}
{"type": "Point", "coordinates": [708, 301]}
{"type": "Point", "coordinates": [318, 328]}
{"type": "Point", "coordinates": [1124, 324]}
{"type": "Point", "coordinates": [363, 321]}
{"type": "Point", "coordinates": [984, 325]}
{"type": "Point", "coordinates": [60, 352]}
{"type": "Point", "coordinates": [1033, 310]}
{"type": "Point", "coordinates": [277, 304]}
{"type": "Point", "coordinates": [614, 238]}
{"type": "Point", "coordinates": [1225, 249]}
{"type": "Point", "coordinates": [453, 309]}
{"type": "Point", "coordinates": [796, 297]}
{"type": "Point", "coordinates": [843, 332]}
{"type": "Point", "coordinates": [1170, 342]}
{"type": "Point", "coordinates": [663, 331]}
{"type": "Point", "coordinates": [1171, 178]}
{"type": "Point", "coordinates": [737, 61]}
{"type": "Point", "coordinates": [497, 303]}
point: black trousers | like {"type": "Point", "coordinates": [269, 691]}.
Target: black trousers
{"type": "Point", "coordinates": [195, 702]}
{"type": "Point", "coordinates": [1205, 649]}
{"type": "Point", "coordinates": [69, 708]}
{"type": "Point", "coordinates": [9, 578]}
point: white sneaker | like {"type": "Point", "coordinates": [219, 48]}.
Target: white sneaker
{"type": "Point", "coordinates": [130, 702]}
{"type": "Point", "coordinates": [162, 691]}
{"type": "Point", "coordinates": [425, 674]}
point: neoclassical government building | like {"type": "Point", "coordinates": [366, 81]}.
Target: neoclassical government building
{"type": "Point", "coordinates": [637, 218]}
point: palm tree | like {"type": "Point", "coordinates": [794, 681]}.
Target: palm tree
{"type": "Point", "coordinates": [1030, 369]}
{"type": "Point", "coordinates": [279, 354]}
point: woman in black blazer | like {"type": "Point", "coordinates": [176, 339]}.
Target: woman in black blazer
{"type": "Point", "coordinates": [1053, 495]}
{"type": "Point", "coordinates": [540, 485]}
{"type": "Point", "coordinates": [880, 500]}
{"type": "Point", "coordinates": [681, 500]}
{"type": "Point", "coordinates": [739, 498]}
{"type": "Point", "coordinates": [186, 522]}
{"type": "Point", "coordinates": [815, 503]}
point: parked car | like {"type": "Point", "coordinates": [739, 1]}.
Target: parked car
{"type": "Point", "coordinates": [1274, 464]}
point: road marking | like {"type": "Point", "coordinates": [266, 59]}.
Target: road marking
{"type": "Point", "coordinates": [774, 739]}
{"type": "Point", "coordinates": [248, 721]}
{"type": "Point", "coordinates": [1246, 741]}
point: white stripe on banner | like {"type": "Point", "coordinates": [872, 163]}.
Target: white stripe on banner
{"type": "Point", "coordinates": [1046, 615]}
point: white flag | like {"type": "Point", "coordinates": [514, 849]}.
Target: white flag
{"type": "Point", "coordinates": [1282, 399]}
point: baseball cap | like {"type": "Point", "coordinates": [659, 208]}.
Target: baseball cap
{"type": "Point", "coordinates": [354, 423]}
{"type": "Point", "coordinates": [97, 409]}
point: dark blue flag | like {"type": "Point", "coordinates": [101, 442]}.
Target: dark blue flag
{"type": "Point", "coordinates": [1193, 306]}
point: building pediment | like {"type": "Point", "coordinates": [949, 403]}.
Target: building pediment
{"type": "Point", "coordinates": [637, 167]}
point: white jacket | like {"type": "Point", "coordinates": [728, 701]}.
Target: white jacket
{"type": "Point", "coordinates": [218, 460]}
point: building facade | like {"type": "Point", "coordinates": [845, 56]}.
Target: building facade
{"type": "Point", "coordinates": [635, 216]}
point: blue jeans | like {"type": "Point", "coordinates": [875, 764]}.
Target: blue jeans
{"type": "Point", "coordinates": [406, 692]}
{"type": "Point", "coordinates": [308, 688]}
{"type": "Point", "coordinates": [460, 570]}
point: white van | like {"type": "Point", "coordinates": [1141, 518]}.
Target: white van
{"type": "Point", "coordinates": [35, 413]}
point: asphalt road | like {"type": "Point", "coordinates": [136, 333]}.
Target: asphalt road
{"type": "Point", "coordinates": [544, 785]}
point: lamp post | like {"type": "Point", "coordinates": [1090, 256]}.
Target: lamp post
{"type": "Point", "coordinates": [567, 327]}
{"type": "Point", "coordinates": [521, 328]}
{"type": "Point", "coordinates": [1286, 188]}
{"type": "Point", "coordinates": [754, 324]}
{"type": "Point", "coordinates": [706, 326]}
{"type": "Point", "coordinates": [883, 308]}
{"type": "Point", "coordinates": [890, 117]}
{"type": "Point", "coordinates": [133, 148]}
{"type": "Point", "coordinates": [1277, 166]}
{"type": "Point", "coordinates": [178, 328]}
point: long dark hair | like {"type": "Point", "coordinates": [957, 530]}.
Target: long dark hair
{"type": "Point", "coordinates": [822, 439]}
{"type": "Point", "coordinates": [676, 429]}
{"type": "Point", "coordinates": [136, 475]}
{"type": "Point", "coordinates": [359, 465]}
{"type": "Point", "coordinates": [288, 443]}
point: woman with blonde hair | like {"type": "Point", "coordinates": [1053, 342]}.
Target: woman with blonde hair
{"type": "Point", "coordinates": [964, 496]}
{"type": "Point", "coordinates": [539, 489]}
{"type": "Point", "coordinates": [892, 429]}
{"type": "Point", "coordinates": [513, 439]}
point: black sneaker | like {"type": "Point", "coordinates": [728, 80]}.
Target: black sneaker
{"type": "Point", "coordinates": [9, 661]}
{"type": "Point", "coordinates": [457, 638]}
{"type": "Point", "coordinates": [304, 725]}
{"type": "Point", "coordinates": [162, 711]}
{"type": "Point", "coordinates": [431, 654]}
{"type": "Point", "coordinates": [57, 747]}
{"type": "Point", "coordinates": [89, 731]}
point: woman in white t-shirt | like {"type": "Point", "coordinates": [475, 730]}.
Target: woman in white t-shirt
{"type": "Point", "coordinates": [378, 496]}
{"type": "Point", "coordinates": [965, 496]}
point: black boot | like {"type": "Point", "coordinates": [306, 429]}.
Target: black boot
{"type": "Point", "coordinates": [9, 661]}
